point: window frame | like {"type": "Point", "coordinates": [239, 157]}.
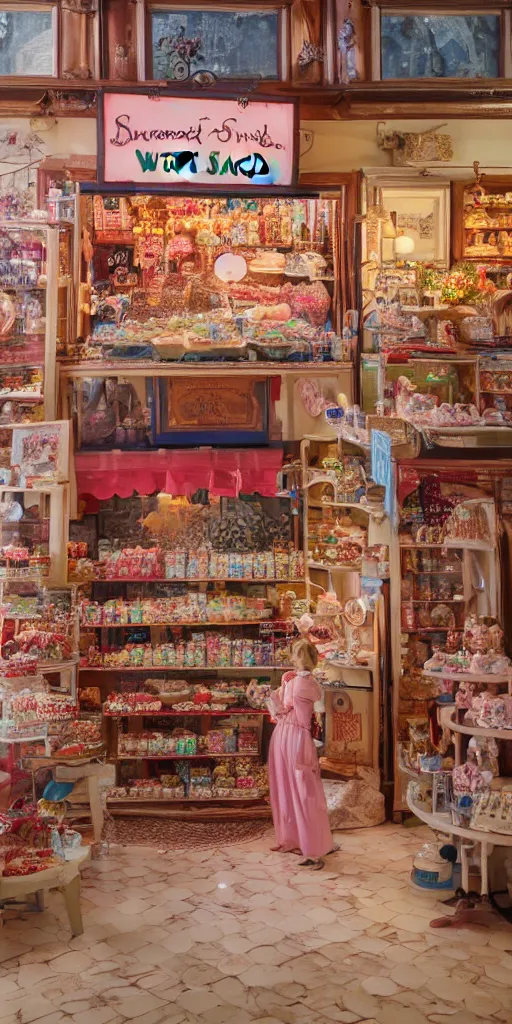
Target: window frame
{"type": "Point", "coordinates": [396, 8]}
{"type": "Point", "coordinates": [145, 54]}
{"type": "Point", "coordinates": [52, 7]}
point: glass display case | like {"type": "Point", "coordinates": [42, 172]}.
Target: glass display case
{"type": "Point", "coordinates": [210, 277]}
{"type": "Point", "coordinates": [36, 299]}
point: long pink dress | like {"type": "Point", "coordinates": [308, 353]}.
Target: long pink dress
{"type": "Point", "coordinates": [297, 797]}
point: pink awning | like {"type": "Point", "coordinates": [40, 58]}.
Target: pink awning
{"type": "Point", "coordinates": [224, 472]}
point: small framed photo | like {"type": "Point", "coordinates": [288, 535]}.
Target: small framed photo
{"type": "Point", "coordinates": [436, 41]}
{"type": "Point", "coordinates": [40, 453]}
{"type": "Point", "coordinates": [28, 39]}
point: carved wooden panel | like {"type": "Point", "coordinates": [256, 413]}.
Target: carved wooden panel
{"type": "Point", "coordinates": [79, 50]}
{"type": "Point", "coordinates": [121, 40]}
{"type": "Point", "coordinates": [350, 41]}
{"type": "Point", "coordinates": [214, 403]}
{"type": "Point", "coordinates": [308, 54]}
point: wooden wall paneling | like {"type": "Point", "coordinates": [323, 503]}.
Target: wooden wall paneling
{"type": "Point", "coordinates": [457, 220]}
{"type": "Point", "coordinates": [307, 38]}
{"type": "Point", "coordinates": [350, 41]}
{"type": "Point", "coordinates": [349, 186]}
{"type": "Point", "coordinates": [120, 46]}
{"type": "Point", "coordinates": [79, 39]}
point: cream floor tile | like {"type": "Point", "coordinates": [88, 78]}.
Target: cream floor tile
{"type": "Point", "coordinates": [164, 945]}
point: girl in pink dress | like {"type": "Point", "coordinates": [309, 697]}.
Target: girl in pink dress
{"type": "Point", "coordinates": [297, 798]}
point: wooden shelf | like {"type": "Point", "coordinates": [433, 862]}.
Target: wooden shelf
{"type": "Point", "coordinates": [208, 367]}
{"type": "Point", "coordinates": [191, 579]}
{"type": "Point", "coordinates": [453, 545]}
{"type": "Point", "coordinates": [178, 625]}
{"type": "Point", "coordinates": [178, 757]}
{"type": "Point", "coordinates": [185, 668]}
{"type": "Point", "coordinates": [433, 629]}
{"type": "Point", "coordinates": [433, 572]}
{"type": "Point", "coordinates": [182, 714]}
{"type": "Point", "coordinates": [164, 801]}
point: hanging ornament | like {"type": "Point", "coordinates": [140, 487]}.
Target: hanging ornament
{"type": "Point", "coordinates": [309, 54]}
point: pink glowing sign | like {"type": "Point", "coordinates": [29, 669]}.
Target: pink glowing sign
{"type": "Point", "coordinates": [177, 140]}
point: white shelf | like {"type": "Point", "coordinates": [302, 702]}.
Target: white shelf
{"type": "Point", "coordinates": [39, 489]}
{"type": "Point", "coordinates": [57, 666]}
{"type": "Point", "coordinates": [468, 677]}
{"type": "Point", "coordinates": [472, 730]}
{"type": "Point", "coordinates": [451, 543]}
{"type": "Point", "coordinates": [358, 667]}
{"type": "Point", "coordinates": [335, 568]}
{"type": "Point", "coordinates": [343, 504]}
{"type": "Point", "coordinates": [443, 824]}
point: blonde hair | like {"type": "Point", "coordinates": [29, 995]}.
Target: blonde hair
{"type": "Point", "coordinates": [305, 652]}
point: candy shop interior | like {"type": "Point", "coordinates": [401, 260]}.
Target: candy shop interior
{"type": "Point", "coordinates": [188, 487]}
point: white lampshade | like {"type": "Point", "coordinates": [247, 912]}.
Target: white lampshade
{"type": "Point", "coordinates": [230, 267]}
{"type": "Point", "coordinates": [404, 245]}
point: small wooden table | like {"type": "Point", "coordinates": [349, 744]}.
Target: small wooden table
{"type": "Point", "coordinates": [65, 877]}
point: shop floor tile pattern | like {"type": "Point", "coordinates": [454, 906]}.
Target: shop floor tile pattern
{"type": "Point", "coordinates": [245, 936]}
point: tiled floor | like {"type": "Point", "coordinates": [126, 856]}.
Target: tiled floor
{"type": "Point", "coordinates": [245, 936]}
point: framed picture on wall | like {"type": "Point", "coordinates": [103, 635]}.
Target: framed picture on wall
{"type": "Point", "coordinates": [206, 410]}
{"type": "Point", "coordinates": [421, 213]}
{"type": "Point", "coordinates": [438, 41]}
{"type": "Point", "coordinates": [229, 41]}
{"type": "Point", "coordinates": [28, 39]}
{"type": "Point", "coordinates": [40, 453]}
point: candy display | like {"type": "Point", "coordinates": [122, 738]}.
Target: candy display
{"type": "Point", "coordinates": [463, 662]}
{"type": "Point", "coordinates": [17, 562]}
{"type": "Point", "coordinates": [41, 708]}
{"type": "Point", "coordinates": [155, 563]}
{"type": "Point", "coordinates": [191, 607]}
{"type": "Point", "coordinates": [224, 739]}
{"type": "Point", "coordinates": [337, 540]}
{"type": "Point", "coordinates": [173, 293]}
{"type": "Point", "coordinates": [213, 650]}
{"type": "Point", "coordinates": [46, 646]}
{"type": "Point", "coordinates": [29, 862]}
{"type": "Point", "coordinates": [235, 780]}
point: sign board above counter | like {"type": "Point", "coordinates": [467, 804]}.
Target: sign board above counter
{"type": "Point", "coordinates": [203, 141]}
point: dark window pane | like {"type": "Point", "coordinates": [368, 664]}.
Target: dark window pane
{"type": "Point", "coordinates": [439, 46]}
{"type": "Point", "coordinates": [26, 42]}
{"type": "Point", "coordinates": [231, 44]}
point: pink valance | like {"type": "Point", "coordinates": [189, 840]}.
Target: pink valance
{"type": "Point", "coordinates": [223, 472]}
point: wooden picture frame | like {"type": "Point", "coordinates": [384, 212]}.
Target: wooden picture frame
{"type": "Point", "coordinates": [145, 57]}
{"type": "Point", "coordinates": [210, 410]}
{"type": "Point", "coordinates": [27, 45]}
{"type": "Point", "coordinates": [431, 67]}
{"type": "Point", "coordinates": [49, 438]}
{"type": "Point", "coordinates": [437, 200]}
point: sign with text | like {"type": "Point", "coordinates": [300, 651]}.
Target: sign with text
{"type": "Point", "coordinates": [200, 141]}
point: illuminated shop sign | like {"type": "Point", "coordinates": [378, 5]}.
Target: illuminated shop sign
{"type": "Point", "coordinates": [175, 140]}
